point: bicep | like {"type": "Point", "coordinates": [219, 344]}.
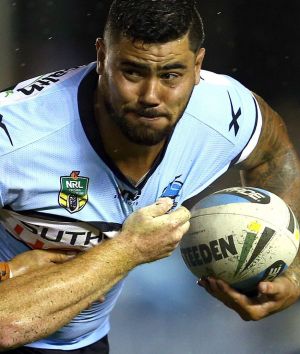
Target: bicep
{"type": "Point", "coordinates": [273, 164]}
{"type": "Point", "coordinates": [273, 142]}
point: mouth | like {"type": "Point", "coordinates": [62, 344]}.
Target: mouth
{"type": "Point", "coordinates": [149, 116]}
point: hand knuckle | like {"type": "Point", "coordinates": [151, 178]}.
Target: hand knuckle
{"type": "Point", "coordinates": [253, 316]}
{"type": "Point", "coordinates": [256, 317]}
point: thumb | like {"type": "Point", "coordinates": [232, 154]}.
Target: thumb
{"type": "Point", "coordinates": [160, 207]}
{"type": "Point", "coordinates": [264, 288]}
{"type": "Point", "coordinates": [269, 288]}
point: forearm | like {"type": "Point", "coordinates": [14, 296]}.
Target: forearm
{"type": "Point", "coordinates": [29, 327]}
{"type": "Point", "coordinates": [35, 305]}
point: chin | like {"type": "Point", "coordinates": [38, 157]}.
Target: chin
{"type": "Point", "coordinates": [147, 137]}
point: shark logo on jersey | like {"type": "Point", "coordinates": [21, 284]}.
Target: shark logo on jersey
{"type": "Point", "coordinates": [73, 194]}
{"type": "Point", "coordinates": [173, 189]}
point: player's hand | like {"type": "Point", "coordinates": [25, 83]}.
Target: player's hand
{"type": "Point", "coordinates": [272, 297]}
{"type": "Point", "coordinates": [153, 233]}
{"type": "Point", "coordinates": [36, 259]}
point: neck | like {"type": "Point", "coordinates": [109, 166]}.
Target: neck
{"type": "Point", "coordinates": [133, 160]}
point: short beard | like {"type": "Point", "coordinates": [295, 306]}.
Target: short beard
{"type": "Point", "coordinates": [140, 135]}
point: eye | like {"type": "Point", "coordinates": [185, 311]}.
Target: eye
{"type": "Point", "coordinates": [170, 76]}
{"type": "Point", "coordinates": [131, 73]}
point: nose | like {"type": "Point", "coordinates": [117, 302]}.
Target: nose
{"type": "Point", "coordinates": [149, 93]}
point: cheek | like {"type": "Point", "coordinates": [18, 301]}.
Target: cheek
{"type": "Point", "coordinates": [179, 97]}
{"type": "Point", "coordinates": [122, 91]}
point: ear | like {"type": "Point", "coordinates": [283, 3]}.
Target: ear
{"type": "Point", "coordinates": [100, 48]}
{"type": "Point", "coordinates": [198, 64]}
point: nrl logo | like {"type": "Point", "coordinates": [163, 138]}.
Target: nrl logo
{"type": "Point", "coordinates": [73, 194]}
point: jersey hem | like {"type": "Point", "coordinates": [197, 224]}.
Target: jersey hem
{"type": "Point", "coordinates": [78, 343]}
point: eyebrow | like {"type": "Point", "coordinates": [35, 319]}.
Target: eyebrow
{"type": "Point", "coordinates": [172, 66]}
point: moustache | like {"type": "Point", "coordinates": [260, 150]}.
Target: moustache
{"type": "Point", "coordinates": [149, 112]}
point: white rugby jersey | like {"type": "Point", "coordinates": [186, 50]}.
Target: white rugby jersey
{"type": "Point", "coordinates": [58, 188]}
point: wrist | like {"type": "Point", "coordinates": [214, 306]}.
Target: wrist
{"type": "Point", "coordinates": [293, 277]}
{"type": "Point", "coordinates": [5, 272]}
{"type": "Point", "coordinates": [128, 245]}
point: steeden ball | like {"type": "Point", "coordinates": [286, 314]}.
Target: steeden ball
{"type": "Point", "coordinates": [242, 235]}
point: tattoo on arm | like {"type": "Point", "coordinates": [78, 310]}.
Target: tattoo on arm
{"type": "Point", "coordinates": [274, 166]}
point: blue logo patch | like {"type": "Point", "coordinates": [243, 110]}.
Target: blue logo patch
{"type": "Point", "coordinates": [173, 189]}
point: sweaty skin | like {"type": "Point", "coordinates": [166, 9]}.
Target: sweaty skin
{"type": "Point", "coordinates": [147, 87]}
{"type": "Point", "coordinates": [36, 304]}
{"type": "Point", "coordinates": [150, 98]}
{"type": "Point", "coordinates": [274, 166]}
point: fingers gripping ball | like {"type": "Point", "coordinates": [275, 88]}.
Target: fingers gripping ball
{"type": "Point", "coordinates": [241, 235]}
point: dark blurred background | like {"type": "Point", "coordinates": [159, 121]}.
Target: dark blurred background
{"type": "Point", "coordinates": [257, 42]}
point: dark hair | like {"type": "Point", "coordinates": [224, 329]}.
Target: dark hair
{"type": "Point", "coordinates": [155, 21]}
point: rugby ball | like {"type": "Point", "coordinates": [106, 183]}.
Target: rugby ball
{"type": "Point", "coordinates": [242, 235]}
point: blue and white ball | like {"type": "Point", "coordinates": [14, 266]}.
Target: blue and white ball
{"type": "Point", "coordinates": [242, 235]}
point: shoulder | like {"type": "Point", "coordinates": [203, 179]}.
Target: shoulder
{"type": "Point", "coordinates": [44, 84]}
{"type": "Point", "coordinates": [228, 108]}
{"type": "Point", "coordinates": [274, 139]}
{"type": "Point", "coordinates": [217, 96]}
{"type": "Point", "coordinates": [37, 107]}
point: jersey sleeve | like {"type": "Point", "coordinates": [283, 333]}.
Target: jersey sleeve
{"type": "Point", "coordinates": [250, 124]}
{"type": "Point", "coordinates": [245, 119]}
{"type": "Point", "coordinates": [230, 110]}
{"type": "Point", "coordinates": [30, 112]}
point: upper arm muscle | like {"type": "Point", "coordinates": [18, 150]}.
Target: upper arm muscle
{"type": "Point", "coordinates": [273, 141]}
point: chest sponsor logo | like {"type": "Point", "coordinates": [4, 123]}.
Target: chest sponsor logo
{"type": "Point", "coordinates": [73, 194]}
{"type": "Point", "coordinates": [39, 233]}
